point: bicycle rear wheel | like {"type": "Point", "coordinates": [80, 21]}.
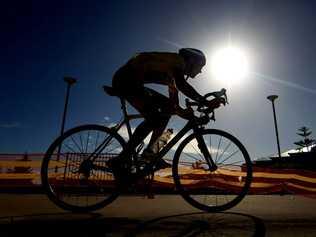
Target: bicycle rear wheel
{"type": "Point", "coordinates": [75, 187]}
{"type": "Point", "coordinates": [218, 190]}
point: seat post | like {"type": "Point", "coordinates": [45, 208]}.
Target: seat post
{"type": "Point", "coordinates": [126, 118]}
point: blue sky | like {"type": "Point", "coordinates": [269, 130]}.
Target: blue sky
{"type": "Point", "coordinates": [43, 41]}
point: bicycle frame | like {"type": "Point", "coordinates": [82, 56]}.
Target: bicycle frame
{"type": "Point", "coordinates": [191, 124]}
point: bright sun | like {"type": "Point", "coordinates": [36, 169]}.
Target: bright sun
{"type": "Point", "coordinates": [229, 65]}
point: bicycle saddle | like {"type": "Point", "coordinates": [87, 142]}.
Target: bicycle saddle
{"type": "Point", "coordinates": [111, 91]}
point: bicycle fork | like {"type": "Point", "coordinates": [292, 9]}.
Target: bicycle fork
{"type": "Point", "coordinates": [205, 152]}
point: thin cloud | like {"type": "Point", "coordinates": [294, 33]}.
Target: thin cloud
{"type": "Point", "coordinates": [285, 83]}
{"type": "Point", "coordinates": [170, 42]}
{"type": "Point", "coordinates": [10, 125]}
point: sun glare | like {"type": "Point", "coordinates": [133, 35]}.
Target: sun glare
{"type": "Point", "coordinates": [229, 65]}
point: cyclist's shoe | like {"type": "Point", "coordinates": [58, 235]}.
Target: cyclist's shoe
{"type": "Point", "coordinates": [148, 157]}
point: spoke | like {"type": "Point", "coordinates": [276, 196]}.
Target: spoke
{"type": "Point", "coordinates": [191, 156]}
{"type": "Point", "coordinates": [224, 151]}
{"type": "Point", "coordinates": [197, 151]}
{"type": "Point", "coordinates": [219, 143]}
{"type": "Point", "coordinates": [96, 141]}
{"type": "Point", "coordinates": [101, 146]}
{"type": "Point", "coordinates": [114, 148]}
{"type": "Point", "coordinates": [70, 148]}
{"type": "Point", "coordinates": [60, 154]}
{"type": "Point", "coordinates": [81, 142]}
{"type": "Point", "coordinates": [87, 142]}
{"type": "Point", "coordinates": [230, 156]}
{"type": "Point", "coordinates": [107, 145]}
{"type": "Point", "coordinates": [98, 150]}
{"type": "Point", "coordinates": [74, 141]}
{"type": "Point", "coordinates": [231, 164]}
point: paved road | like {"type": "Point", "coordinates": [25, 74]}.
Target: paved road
{"type": "Point", "coordinates": [166, 215]}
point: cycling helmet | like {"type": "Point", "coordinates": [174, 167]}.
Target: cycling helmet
{"type": "Point", "coordinates": [193, 55]}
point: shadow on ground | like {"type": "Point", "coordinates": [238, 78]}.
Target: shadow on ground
{"type": "Point", "coordinates": [184, 225]}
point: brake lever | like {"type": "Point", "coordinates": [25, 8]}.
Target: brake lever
{"type": "Point", "coordinates": [189, 103]}
{"type": "Point", "coordinates": [218, 94]}
{"type": "Point", "coordinates": [213, 116]}
{"type": "Point", "coordinates": [225, 97]}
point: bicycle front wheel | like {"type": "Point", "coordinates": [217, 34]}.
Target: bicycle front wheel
{"type": "Point", "coordinates": [217, 190]}
{"type": "Point", "coordinates": [73, 182]}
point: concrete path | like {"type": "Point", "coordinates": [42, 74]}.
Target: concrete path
{"type": "Point", "coordinates": [166, 215]}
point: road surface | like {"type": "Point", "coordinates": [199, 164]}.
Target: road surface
{"type": "Point", "coordinates": [166, 215]}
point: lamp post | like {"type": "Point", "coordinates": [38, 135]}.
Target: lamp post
{"type": "Point", "coordinates": [272, 98]}
{"type": "Point", "coordinates": [70, 81]}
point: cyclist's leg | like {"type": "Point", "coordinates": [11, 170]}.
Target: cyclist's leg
{"type": "Point", "coordinates": [153, 148]}
{"type": "Point", "coordinates": [157, 110]}
{"type": "Point", "coordinates": [140, 133]}
{"type": "Point", "coordinates": [132, 90]}
{"type": "Point", "coordinates": [157, 132]}
{"type": "Point", "coordinates": [156, 117]}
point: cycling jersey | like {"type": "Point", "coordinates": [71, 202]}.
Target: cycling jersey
{"type": "Point", "coordinates": [150, 67]}
{"type": "Point", "coordinates": [154, 67]}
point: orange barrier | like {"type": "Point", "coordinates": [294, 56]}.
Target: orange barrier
{"type": "Point", "coordinates": [265, 180]}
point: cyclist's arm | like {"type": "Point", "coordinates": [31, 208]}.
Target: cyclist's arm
{"type": "Point", "coordinates": [174, 97]}
{"type": "Point", "coordinates": [186, 88]}
{"type": "Point", "coordinates": [174, 94]}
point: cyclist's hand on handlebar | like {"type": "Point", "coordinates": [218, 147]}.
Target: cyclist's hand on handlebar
{"type": "Point", "coordinates": [216, 103]}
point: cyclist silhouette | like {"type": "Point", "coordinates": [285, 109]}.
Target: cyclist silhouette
{"type": "Point", "coordinates": [84, 163]}
{"type": "Point", "coordinates": [165, 68]}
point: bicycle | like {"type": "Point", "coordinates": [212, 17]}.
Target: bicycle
{"type": "Point", "coordinates": [209, 176]}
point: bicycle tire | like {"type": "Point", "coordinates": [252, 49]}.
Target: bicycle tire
{"type": "Point", "coordinates": [191, 192]}
{"type": "Point", "coordinates": [53, 187]}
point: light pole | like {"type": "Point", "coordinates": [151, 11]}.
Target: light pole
{"type": "Point", "coordinates": [272, 98]}
{"type": "Point", "coordinates": [70, 81]}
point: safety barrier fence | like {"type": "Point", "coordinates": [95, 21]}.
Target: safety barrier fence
{"type": "Point", "coordinates": [23, 171]}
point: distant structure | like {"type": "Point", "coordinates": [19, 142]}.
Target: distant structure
{"type": "Point", "coordinates": [292, 159]}
{"type": "Point", "coordinates": [303, 157]}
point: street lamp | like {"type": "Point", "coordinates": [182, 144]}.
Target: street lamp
{"type": "Point", "coordinates": [70, 81]}
{"type": "Point", "coordinates": [272, 98]}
